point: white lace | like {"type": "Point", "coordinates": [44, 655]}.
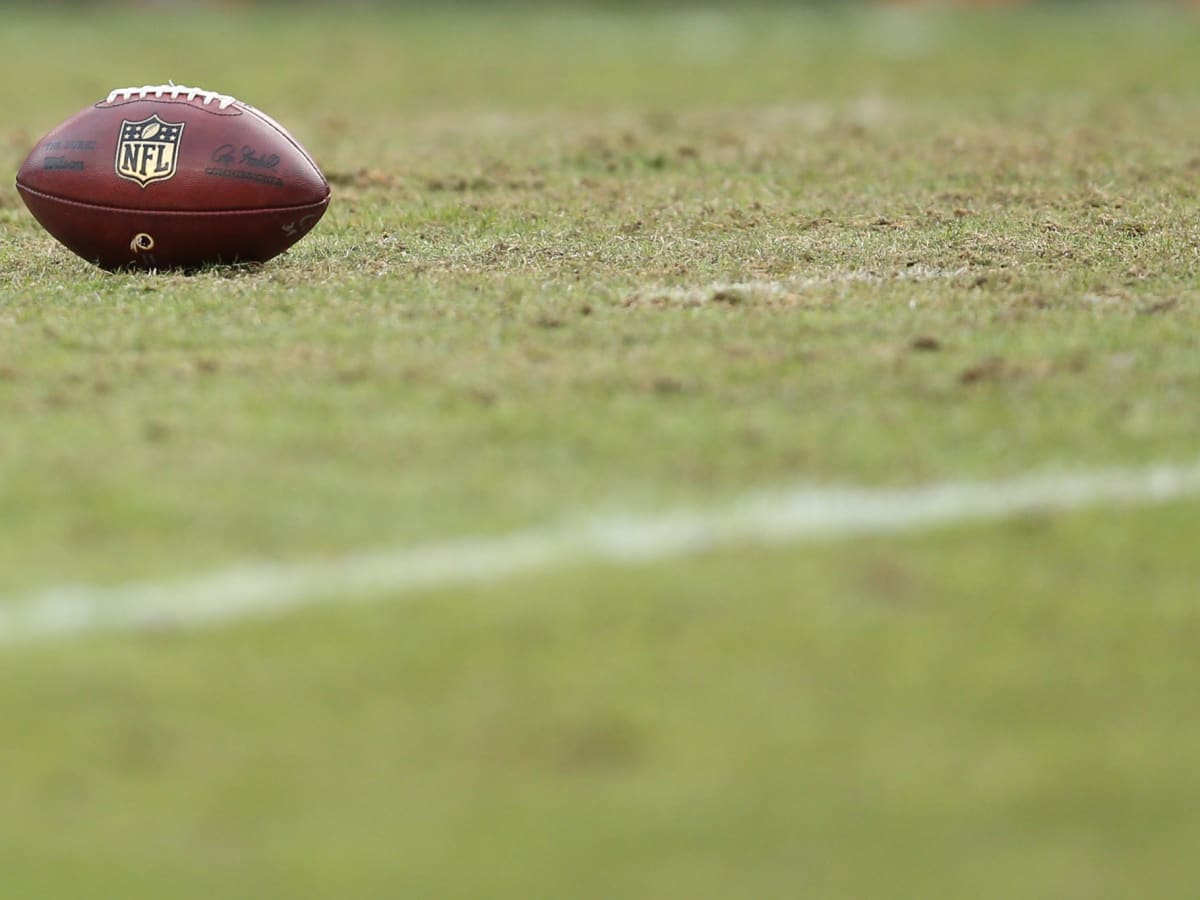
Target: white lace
{"type": "Point", "coordinates": [174, 91]}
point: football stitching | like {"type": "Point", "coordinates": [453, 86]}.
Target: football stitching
{"type": "Point", "coordinates": [173, 212]}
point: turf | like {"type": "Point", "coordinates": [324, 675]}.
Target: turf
{"type": "Point", "coordinates": [584, 261]}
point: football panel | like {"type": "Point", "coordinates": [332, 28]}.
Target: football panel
{"type": "Point", "coordinates": [148, 239]}
{"type": "Point", "coordinates": [159, 154]}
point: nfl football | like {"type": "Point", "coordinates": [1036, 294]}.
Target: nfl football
{"type": "Point", "coordinates": [164, 176]}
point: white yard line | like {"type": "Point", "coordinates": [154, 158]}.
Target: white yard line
{"type": "Point", "coordinates": [765, 517]}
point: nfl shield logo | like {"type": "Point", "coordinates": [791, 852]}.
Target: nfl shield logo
{"type": "Point", "coordinates": [148, 150]}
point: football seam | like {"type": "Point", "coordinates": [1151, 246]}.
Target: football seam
{"type": "Point", "coordinates": [172, 212]}
{"type": "Point", "coordinates": [283, 133]}
{"type": "Point", "coordinates": [228, 111]}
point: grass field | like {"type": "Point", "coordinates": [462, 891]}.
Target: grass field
{"type": "Point", "coordinates": [601, 264]}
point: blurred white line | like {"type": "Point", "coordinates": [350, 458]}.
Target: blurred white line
{"type": "Point", "coordinates": [765, 517]}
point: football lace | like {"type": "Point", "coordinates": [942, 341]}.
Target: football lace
{"type": "Point", "coordinates": [174, 91]}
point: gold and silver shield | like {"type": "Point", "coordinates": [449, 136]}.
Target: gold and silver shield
{"type": "Point", "coordinates": [148, 151]}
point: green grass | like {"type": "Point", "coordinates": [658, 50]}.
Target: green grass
{"type": "Point", "coordinates": [584, 261]}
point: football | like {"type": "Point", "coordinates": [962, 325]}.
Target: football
{"type": "Point", "coordinates": [165, 176]}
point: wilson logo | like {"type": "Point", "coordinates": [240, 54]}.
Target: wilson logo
{"type": "Point", "coordinates": [148, 151]}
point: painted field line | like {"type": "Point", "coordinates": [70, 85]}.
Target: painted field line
{"type": "Point", "coordinates": [790, 515]}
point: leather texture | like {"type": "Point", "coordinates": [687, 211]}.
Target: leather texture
{"type": "Point", "coordinates": [162, 182]}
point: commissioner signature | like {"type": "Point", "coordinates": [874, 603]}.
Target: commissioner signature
{"type": "Point", "coordinates": [226, 155]}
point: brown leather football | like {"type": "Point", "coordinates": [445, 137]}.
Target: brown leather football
{"type": "Point", "coordinates": [164, 176]}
